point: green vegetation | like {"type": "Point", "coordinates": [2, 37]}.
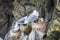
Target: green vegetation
{"type": "Point", "coordinates": [28, 29]}
{"type": "Point", "coordinates": [55, 35]}
{"type": "Point", "coordinates": [30, 26]}
{"type": "Point", "coordinates": [54, 31]}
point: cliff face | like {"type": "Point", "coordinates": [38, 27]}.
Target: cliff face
{"type": "Point", "coordinates": [15, 9]}
{"type": "Point", "coordinates": [23, 7]}
{"type": "Point", "coordinates": [6, 16]}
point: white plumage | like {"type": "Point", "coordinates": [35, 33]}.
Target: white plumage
{"type": "Point", "coordinates": [22, 20]}
{"type": "Point", "coordinates": [32, 17]}
{"type": "Point", "coordinates": [16, 28]}
{"type": "Point", "coordinates": [1, 38]}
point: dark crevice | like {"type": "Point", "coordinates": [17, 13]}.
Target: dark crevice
{"type": "Point", "coordinates": [7, 7]}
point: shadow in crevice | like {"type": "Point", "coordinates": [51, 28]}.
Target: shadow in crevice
{"type": "Point", "coordinates": [6, 7]}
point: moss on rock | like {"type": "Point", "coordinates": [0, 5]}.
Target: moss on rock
{"type": "Point", "coordinates": [54, 32]}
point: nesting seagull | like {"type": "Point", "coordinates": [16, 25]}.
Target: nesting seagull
{"type": "Point", "coordinates": [32, 17]}
{"type": "Point", "coordinates": [24, 20]}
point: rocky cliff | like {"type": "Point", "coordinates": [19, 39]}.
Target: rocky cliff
{"type": "Point", "coordinates": [12, 10]}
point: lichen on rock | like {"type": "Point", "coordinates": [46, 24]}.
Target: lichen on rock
{"type": "Point", "coordinates": [54, 31]}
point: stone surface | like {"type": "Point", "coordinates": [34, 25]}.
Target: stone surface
{"type": "Point", "coordinates": [55, 26]}
{"type": "Point", "coordinates": [54, 31]}
{"type": "Point", "coordinates": [18, 11]}
{"type": "Point", "coordinates": [5, 16]}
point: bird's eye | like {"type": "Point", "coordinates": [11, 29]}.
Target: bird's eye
{"type": "Point", "coordinates": [18, 24]}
